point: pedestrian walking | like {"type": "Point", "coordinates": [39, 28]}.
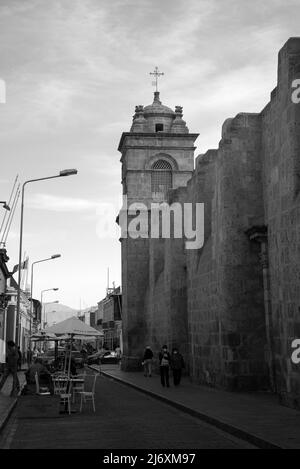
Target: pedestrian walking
{"type": "Point", "coordinates": [19, 359]}
{"type": "Point", "coordinates": [118, 352]}
{"type": "Point", "coordinates": [177, 364]}
{"type": "Point", "coordinates": [29, 356]}
{"type": "Point", "coordinates": [11, 368]}
{"type": "Point", "coordinates": [147, 361]}
{"type": "Point", "coordinates": [164, 365]}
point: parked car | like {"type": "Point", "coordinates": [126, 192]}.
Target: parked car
{"type": "Point", "coordinates": [109, 357]}
{"type": "Point", "coordinates": [109, 354]}
{"type": "Point", "coordinates": [96, 358]}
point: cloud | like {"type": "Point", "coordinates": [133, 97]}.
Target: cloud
{"type": "Point", "coordinates": [55, 203]}
{"type": "Point", "coordinates": [83, 65]}
{"type": "Point", "coordinates": [53, 98]}
{"type": "Point", "coordinates": [61, 204]}
{"type": "Point", "coordinates": [76, 69]}
{"type": "Point", "coordinates": [104, 164]}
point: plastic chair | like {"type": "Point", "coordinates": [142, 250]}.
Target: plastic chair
{"type": "Point", "coordinates": [77, 388]}
{"type": "Point", "coordinates": [60, 385]}
{"type": "Point", "coordinates": [59, 380]}
{"type": "Point", "coordinates": [40, 390]}
{"type": "Point", "coordinates": [88, 394]}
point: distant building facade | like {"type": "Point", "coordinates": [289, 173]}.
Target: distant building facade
{"type": "Point", "coordinates": [24, 317]}
{"type": "Point", "coordinates": [4, 276]}
{"type": "Point", "coordinates": [88, 315]}
{"type": "Point", "coordinates": [8, 311]}
{"type": "Point", "coordinates": [112, 318]}
{"type": "Point", "coordinates": [99, 315]}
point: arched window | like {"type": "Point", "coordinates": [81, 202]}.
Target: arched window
{"type": "Point", "coordinates": [161, 177]}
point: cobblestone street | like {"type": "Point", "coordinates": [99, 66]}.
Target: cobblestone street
{"type": "Point", "coordinates": [124, 419]}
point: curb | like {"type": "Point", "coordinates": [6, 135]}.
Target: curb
{"type": "Point", "coordinates": [8, 414]}
{"type": "Point", "coordinates": [226, 427]}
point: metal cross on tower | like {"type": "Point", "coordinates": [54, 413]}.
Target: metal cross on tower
{"type": "Point", "coordinates": [157, 74]}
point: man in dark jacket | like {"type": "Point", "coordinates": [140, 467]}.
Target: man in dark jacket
{"type": "Point", "coordinates": [177, 363]}
{"type": "Point", "coordinates": [11, 368]}
{"type": "Point", "coordinates": [164, 365]}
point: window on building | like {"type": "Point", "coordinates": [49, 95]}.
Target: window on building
{"type": "Point", "coordinates": [159, 127]}
{"type": "Point", "coordinates": [161, 177]}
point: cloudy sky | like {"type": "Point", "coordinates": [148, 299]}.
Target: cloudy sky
{"type": "Point", "coordinates": [74, 71]}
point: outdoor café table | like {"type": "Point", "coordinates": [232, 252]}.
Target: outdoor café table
{"type": "Point", "coordinates": [71, 381]}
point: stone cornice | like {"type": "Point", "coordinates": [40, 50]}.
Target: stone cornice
{"type": "Point", "coordinates": [169, 149]}
{"type": "Point", "coordinates": [157, 135]}
{"type": "Point", "coordinates": [143, 170]}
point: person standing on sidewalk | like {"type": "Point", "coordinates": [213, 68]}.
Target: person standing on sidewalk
{"type": "Point", "coordinates": [19, 359]}
{"type": "Point", "coordinates": [164, 365]}
{"type": "Point", "coordinates": [177, 363]}
{"type": "Point", "coordinates": [147, 360]}
{"type": "Point", "coordinates": [29, 356]}
{"type": "Point", "coordinates": [11, 368]}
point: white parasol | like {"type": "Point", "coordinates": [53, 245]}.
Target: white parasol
{"type": "Point", "coordinates": [43, 336]}
{"type": "Point", "coordinates": [73, 328]}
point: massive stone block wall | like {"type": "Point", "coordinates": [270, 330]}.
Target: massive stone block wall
{"type": "Point", "coordinates": [203, 323]}
{"type": "Point", "coordinates": [135, 280]}
{"type": "Point", "coordinates": [251, 180]}
{"type": "Point", "coordinates": [225, 290]}
{"type": "Point", "coordinates": [166, 302]}
{"type": "Point", "coordinates": [281, 178]}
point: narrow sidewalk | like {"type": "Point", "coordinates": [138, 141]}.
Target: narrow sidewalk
{"type": "Point", "coordinates": [7, 403]}
{"type": "Point", "coordinates": [257, 418]}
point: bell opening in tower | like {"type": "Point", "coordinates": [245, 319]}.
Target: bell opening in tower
{"type": "Point", "coordinates": [161, 177]}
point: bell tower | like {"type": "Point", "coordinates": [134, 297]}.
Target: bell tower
{"type": "Point", "coordinates": [157, 156]}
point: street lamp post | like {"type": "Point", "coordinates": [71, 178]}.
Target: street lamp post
{"type": "Point", "coordinates": [65, 172]}
{"type": "Point", "coordinates": [55, 256]}
{"type": "Point", "coordinates": [43, 316]}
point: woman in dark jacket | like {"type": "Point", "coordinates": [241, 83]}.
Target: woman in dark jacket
{"type": "Point", "coordinates": [177, 363]}
{"type": "Point", "coordinates": [164, 365]}
{"type": "Point", "coordinates": [147, 361]}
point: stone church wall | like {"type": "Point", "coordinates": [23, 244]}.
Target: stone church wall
{"type": "Point", "coordinates": [213, 302]}
{"type": "Point", "coordinates": [225, 290]}
{"type": "Point", "coordinates": [281, 177]}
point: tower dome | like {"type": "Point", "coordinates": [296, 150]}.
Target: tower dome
{"type": "Point", "coordinates": [157, 108]}
{"type": "Point", "coordinates": [159, 117]}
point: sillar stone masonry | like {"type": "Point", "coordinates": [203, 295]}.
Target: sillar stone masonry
{"type": "Point", "coordinates": [233, 306]}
